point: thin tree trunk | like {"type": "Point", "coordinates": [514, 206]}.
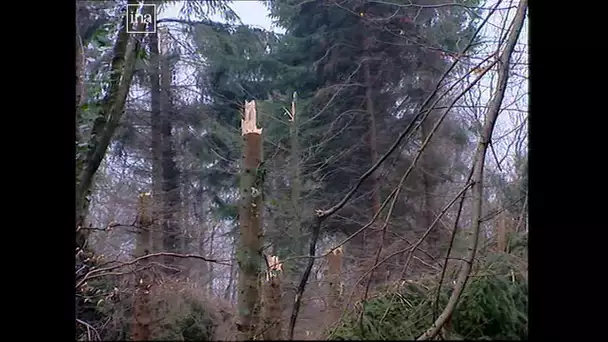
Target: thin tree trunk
{"type": "Point", "coordinates": [372, 240]}
{"type": "Point", "coordinates": [155, 118]}
{"type": "Point", "coordinates": [334, 261]}
{"type": "Point", "coordinates": [228, 294]}
{"type": "Point", "coordinates": [478, 168]}
{"type": "Point", "coordinates": [210, 272]}
{"type": "Point", "coordinates": [295, 175]}
{"type": "Point", "coordinates": [249, 254]}
{"type": "Point", "coordinates": [373, 148]}
{"type": "Point", "coordinates": [426, 167]}
{"type": "Point", "coordinates": [142, 315]}
{"type": "Point", "coordinates": [170, 173]}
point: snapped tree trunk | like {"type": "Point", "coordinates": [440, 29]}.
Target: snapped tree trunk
{"type": "Point", "coordinates": [334, 261]}
{"type": "Point", "coordinates": [272, 327]}
{"type": "Point", "coordinates": [249, 254]}
{"type": "Point", "coordinates": [142, 315]}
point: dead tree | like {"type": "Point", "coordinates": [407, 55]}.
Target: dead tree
{"type": "Point", "coordinates": [141, 304]}
{"type": "Point", "coordinates": [334, 261]}
{"type": "Point", "coordinates": [272, 327]}
{"type": "Point", "coordinates": [249, 254]}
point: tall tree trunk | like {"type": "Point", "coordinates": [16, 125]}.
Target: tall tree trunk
{"type": "Point", "coordinates": [295, 175]}
{"type": "Point", "coordinates": [155, 118]}
{"type": "Point", "coordinates": [372, 240]}
{"type": "Point", "coordinates": [142, 315]}
{"type": "Point", "coordinates": [373, 142]}
{"type": "Point", "coordinates": [170, 173]}
{"type": "Point", "coordinates": [93, 151]}
{"type": "Point", "coordinates": [249, 254]}
{"type": "Point", "coordinates": [427, 169]}
{"type": "Point", "coordinates": [228, 293]}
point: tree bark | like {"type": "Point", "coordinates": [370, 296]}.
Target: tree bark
{"type": "Point", "coordinates": [272, 301]}
{"type": "Point", "coordinates": [142, 315]}
{"type": "Point", "coordinates": [334, 261]}
{"type": "Point", "coordinates": [170, 173]}
{"type": "Point", "coordinates": [249, 254]}
{"type": "Point", "coordinates": [156, 143]}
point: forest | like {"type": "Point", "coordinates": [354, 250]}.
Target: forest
{"type": "Point", "coordinates": [358, 170]}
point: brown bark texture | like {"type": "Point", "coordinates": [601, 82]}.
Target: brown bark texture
{"type": "Point", "coordinates": [249, 254]}
{"type": "Point", "coordinates": [272, 328]}
{"type": "Point", "coordinates": [142, 315]}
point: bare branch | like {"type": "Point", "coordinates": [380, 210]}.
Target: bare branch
{"type": "Point", "coordinates": [96, 273]}
{"type": "Point", "coordinates": [492, 115]}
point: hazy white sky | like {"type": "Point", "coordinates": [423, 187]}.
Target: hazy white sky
{"type": "Point", "coordinates": [251, 12]}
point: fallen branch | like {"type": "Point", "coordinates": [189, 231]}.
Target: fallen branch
{"type": "Point", "coordinates": [96, 273]}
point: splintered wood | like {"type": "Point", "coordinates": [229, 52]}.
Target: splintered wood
{"type": "Point", "coordinates": [272, 300]}
{"type": "Point", "coordinates": [249, 121]}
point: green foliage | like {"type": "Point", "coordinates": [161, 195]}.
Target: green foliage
{"type": "Point", "coordinates": [493, 307]}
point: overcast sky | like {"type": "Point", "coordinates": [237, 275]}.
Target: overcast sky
{"type": "Point", "coordinates": [253, 13]}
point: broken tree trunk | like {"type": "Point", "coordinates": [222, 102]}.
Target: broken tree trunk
{"type": "Point", "coordinates": [249, 254]}
{"type": "Point", "coordinates": [334, 261]}
{"type": "Point", "coordinates": [272, 301]}
{"type": "Point", "coordinates": [141, 303]}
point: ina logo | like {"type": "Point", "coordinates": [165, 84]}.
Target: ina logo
{"type": "Point", "coordinates": [141, 18]}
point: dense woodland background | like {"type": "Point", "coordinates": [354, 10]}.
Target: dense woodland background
{"type": "Point", "coordinates": [394, 153]}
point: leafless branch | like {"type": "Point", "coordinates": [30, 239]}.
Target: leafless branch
{"type": "Point", "coordinates": [492, 115]}
{"type": "Point", "coordinates": [100, 271]}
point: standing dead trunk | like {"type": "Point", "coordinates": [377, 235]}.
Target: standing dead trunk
{"type": "Point", "coordinates": [249, 254]}
{"type": "Point", "coordinates": [272, 325]}
{"type": "Point", "coordinates": [142, 315]}
{"type": "Point", "coordinates": [334, 261]}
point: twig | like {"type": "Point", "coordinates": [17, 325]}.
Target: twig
{"type": "Point", "coordinates": [89, 329]}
